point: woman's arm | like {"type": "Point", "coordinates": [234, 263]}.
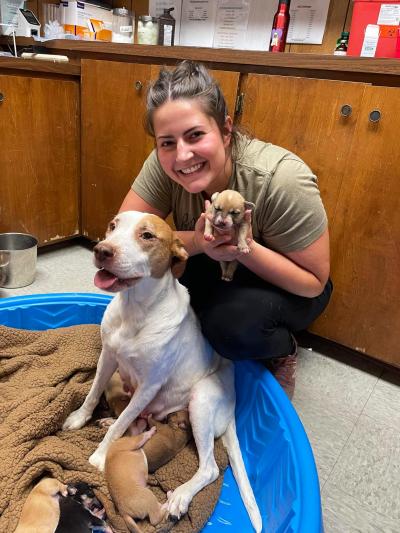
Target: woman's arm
{"type": "Point", "coordinates": [303, 272]}
{"type": "Point", "coordinates": [133, 202]}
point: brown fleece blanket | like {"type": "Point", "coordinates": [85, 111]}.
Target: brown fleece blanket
{"type": "Point", "coordinates": [44, 375]}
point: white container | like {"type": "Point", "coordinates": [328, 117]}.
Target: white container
{"type": "Point", "coordinates": [147, 30]}
{"type": "Point", "coordinates": [122, 25]}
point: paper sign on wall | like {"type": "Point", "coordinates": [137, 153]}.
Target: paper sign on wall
{"type": "Point", "coordinates": [307, 21]}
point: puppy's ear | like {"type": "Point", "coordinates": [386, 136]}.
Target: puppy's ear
{"type": "Point", "coordinates": [249, 205]}
{"type": "Point", "coordinates": [214, 196]}
{"type": "Point", "coordinates": [179, 257]}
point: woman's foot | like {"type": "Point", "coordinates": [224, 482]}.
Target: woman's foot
{"type": "Point", "coordinates": [284, 370]}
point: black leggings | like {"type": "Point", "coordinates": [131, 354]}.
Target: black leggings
{"type": "Point", "coordinates": [247, 318]}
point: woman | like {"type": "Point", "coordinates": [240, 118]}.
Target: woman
{"type": "Point", "coordinates": [283, 284]}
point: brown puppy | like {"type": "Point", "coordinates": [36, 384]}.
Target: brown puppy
{"type": "Point", "coordinates": [226, 215]}
{"type": "Point", "coordinates": [171, 438]}
{"type": "Point", "coordinates": [41, 510]}
{"type": "Point", "coordinates": [127, 468]}
{"type": "Point", "coordinates": [126, 474]}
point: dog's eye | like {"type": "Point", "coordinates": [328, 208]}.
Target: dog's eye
{"type": "Point", "coordinates": [217, 208]}
{"type": "Point", "coordinates": [111, 226]}
{"type": "Point", "coordinates": [147, 235]}
{"type": "Point", "coordinates": [234, 212]}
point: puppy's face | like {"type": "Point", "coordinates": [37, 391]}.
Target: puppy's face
{"type": "Point", "coordinates": [179, 419]}
{"type": "Point", "coordinates": [137, 245]}
{"type": "Point", "coordinates": [227, 210]}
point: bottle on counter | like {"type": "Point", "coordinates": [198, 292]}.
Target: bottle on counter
{"type": "Point", "coordinates": [342, 44]}
{"type": "Point", "coordinates": [280, 27]}
{"type": "Point", "coordinates": [147, 32]}
{"type": "Point", "coordinates": [166, 28]}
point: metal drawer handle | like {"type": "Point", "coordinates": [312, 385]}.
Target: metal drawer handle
{"type": "Point", "coordinates": [346, 110]}
{"type": "Point", "coordinates": [2, 98]}
{"type": "Point", "coordinates": [138, 85]}
{"type": "Point", "coordinates": [375, 115]}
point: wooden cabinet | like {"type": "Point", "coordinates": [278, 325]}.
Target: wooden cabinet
{"type": "Point", "coordinates": [39, 157]}
{"type": "Point", "coordinates": [358, 165]}
{"type": "Point", "coordinates": [114, 143]}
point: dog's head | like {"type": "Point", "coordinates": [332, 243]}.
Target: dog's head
{"type": "Point", "coordinates": [137, 245]}
{"type": "Point", "coordinates": [228, 209]}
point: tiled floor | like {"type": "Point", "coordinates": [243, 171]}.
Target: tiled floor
{"type": "Point", "coordinates": [350, 408]}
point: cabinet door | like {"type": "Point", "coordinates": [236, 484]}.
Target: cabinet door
{"type": "Point", "coordinates": [364, 312]}
{"type": "Point", "coordinates": [304, 116]}
{"type": "Point", "coordinates": [39, 157]}
{"type": "Point", "coordinates": [114, 143]}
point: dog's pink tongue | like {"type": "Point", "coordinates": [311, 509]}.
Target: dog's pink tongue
{"type": "Point", "coordinates": [104, 279]}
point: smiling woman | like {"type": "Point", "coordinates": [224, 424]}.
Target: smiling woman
{"type": "Point", "coordinates": [283, 284]}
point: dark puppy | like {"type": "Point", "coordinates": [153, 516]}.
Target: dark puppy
{"type": "Point", "coordinates": [81, 511]}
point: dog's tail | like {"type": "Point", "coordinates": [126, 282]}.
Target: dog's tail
{"type": "Point", "coordinates": [231, 443]}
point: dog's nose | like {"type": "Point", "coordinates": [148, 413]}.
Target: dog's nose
{"type": "Point", "coordinates": [103, 251]}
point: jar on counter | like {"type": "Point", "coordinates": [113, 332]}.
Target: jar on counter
{"type": "Point", "coordinates": [122, 25]}
{"type": "Point", "coordinates": [147, 32]}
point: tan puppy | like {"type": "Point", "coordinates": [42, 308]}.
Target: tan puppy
{"type": "Point", "coordinates": [171, 438]}
{"type": "Point", "coordinates": [127, 468]}
{"type": "Point", "coordinates": [41, 510]}
{"type": "Point", "coordinates": [126, 474]}
{"type": "Point", "coordinates": [226, 215]}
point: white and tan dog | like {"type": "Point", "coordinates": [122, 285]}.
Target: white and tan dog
{"type": "Point", "coordinates": [150, 333]}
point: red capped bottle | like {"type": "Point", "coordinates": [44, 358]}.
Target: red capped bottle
{"type": "Point", "coordinates": [280, 27]}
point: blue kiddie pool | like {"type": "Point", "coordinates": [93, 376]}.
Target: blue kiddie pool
{"type": "Point", "coordinates": [274, 445]}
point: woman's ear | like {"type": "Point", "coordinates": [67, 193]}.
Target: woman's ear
{"type": "Point", "coordinates": [179, 256]}
{"type": "Point", "coordinates": [227, 135]}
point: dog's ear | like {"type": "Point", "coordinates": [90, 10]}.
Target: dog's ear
{"type": "Point", "coordinates": [249, 205]}
{"type": "Point", "coordinates": [214, 196]}
{"type": "Point", "coordinates": [179, 257]}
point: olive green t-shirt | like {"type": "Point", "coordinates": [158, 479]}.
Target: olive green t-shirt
{"type": "Point", "coordinates": [289, 214]}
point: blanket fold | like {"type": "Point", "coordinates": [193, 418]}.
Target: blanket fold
{"type": "Point", "coordinates": [44, 375]}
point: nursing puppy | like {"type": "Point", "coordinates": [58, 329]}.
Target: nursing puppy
{"type": "Point", "coordinates": [41, 510]}
{"type": "Point", "coordinates": [126, 474]}
{"type": "Point", "coordinates": [226, 215]}
{"type": "Point", "coordinates": [151, 334]}
{"type": "Point", "coordinates": [130, 459]}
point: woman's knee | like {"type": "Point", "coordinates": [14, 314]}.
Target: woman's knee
{"type": "Point", "coordinates": [244, 336]}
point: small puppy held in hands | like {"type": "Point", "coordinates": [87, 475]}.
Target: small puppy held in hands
{"type": "Point", "coordinates": [41, 510]}
{"type": "Point", "coordinates": [226, 215]}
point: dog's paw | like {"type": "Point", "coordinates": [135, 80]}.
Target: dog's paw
{"type": "Point", "coordinates": [105, 422]}
{"type": "Point", "coordinates": [243, 249]}
{"type": "Point", "coordinates": [178, 502]}
{"type": "Point", "coordinates": [76, 420]}
{"type": "Point", "coordinates": [98, 459]}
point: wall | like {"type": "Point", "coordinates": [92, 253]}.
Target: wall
{"type": "Point", "coordinates": [339, 18]}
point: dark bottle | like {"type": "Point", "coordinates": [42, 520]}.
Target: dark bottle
{"type": "Point", "coordinates": [342, 44]}
{"type": "Point", "coordinates": [280, 27]}
{"type": "Point", "coordinates": [166, 28]}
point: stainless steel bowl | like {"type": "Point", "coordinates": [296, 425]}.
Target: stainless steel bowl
{"type": "Point", "coordinates": [18, 256]}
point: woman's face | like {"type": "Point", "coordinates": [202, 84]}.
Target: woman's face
{"type": "Point", "coordinates": [190, 147]}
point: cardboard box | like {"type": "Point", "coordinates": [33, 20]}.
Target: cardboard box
{"type": "Point", "coordinates": [88, 21]}
{"type": "Point", "coordinates": [374, 28]}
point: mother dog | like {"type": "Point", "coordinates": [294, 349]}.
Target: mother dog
{"type": "Point", "coordinates": [150, 333]}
